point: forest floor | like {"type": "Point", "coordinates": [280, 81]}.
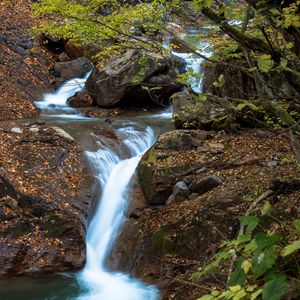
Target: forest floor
{"type": "Point", "coordinates": [24, 64]}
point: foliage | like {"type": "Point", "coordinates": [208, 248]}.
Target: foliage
{"type": "Point", "coordinates": [264, 259]}
{"type": "Point", "coordinates": [261, 34]}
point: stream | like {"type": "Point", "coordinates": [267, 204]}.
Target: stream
{"type": "Point", "coordinates": [113, 169]}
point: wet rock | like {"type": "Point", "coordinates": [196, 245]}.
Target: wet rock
{"type": "Point", "coordinates": [117, 81]}
{"type": "Point", "coordinates": [180, 191]}
{"type": "Point", "coordinates": [63, 57]}
{"type": "Point", "coordinates": [60, 132]}
{"type": "Point", "coordinates": [205, 184]}
{"type": "Point", "coordinates": [80, 99]}
{"type": "Point", "coordinates": [72, 69]}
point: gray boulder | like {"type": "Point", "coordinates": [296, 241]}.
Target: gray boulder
{"type": "Point", "coordinates": [205, 184]}
{"type": "Point", "coordinates": [71, 69]}
{"type": "Point", "coordinates": [181, 191]}
{"type": "Point", "coordinates": [134, 78]}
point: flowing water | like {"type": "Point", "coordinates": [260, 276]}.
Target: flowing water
{"type": "Point", "coordinates": [113, 169]}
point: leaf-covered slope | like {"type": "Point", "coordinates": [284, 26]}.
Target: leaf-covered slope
{"type": "Point", "coordinates": [24, 64]}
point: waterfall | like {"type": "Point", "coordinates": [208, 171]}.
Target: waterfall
{"type": "Point", "coordinates": [57, 100]}
{"type": "Point", "coordinates": [114, 175]}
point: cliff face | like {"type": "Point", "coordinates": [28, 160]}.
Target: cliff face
{"type": "Point", "coordinates": [24, 64]}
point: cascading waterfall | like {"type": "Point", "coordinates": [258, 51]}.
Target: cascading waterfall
{"type": "Point", "coordinates": [58, 99]}
{"type": "Point", "coordinates": [114, 175]}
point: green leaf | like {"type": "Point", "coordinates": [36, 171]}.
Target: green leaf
{"type": "Point", "coordinates": [264, 260]}
{"type": "Point", "coordinates": [266, 208]}
{"type": "Point", "coordinates": [207, 297]}
{"type": "Point", "coordinates": [283, 63]}
{"type": "Point", "coordinates": [256, 294]}
{"type": "Point", "coordinates": [297, 226]}
{"type": "Point", "coordinates": [264, 240]}
{"type": "Point", "coordinates": [246, 266]}
{"type": "Point", "coordinates": [275, 288]}
{"type": "Point", "coordinates": [265, 62]}
{"type": "Point", "coordinates": [221, 81]}
{"type": "Point", "coordinates": [250, 221]}
{"type": "Point", "coordinates": [289, 249]}
{"type": "Point", "coordinates": [241, 106]}
{"type": "Point", "coordinates": [239, 276]}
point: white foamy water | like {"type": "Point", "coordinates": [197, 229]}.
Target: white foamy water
{"type": "Point", "coordinates": [58, 99]}
{"type": "Point", "coordinates": [114, 175]}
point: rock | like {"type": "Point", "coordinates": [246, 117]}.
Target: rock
{"type": "Point", "coordinates": [44, 206]}
{"type": "Point", "coordinates": [181, 191]}
{"type": "Point", "coordinates": [158, 171]}
{"type": "Point", "coordinates": [63, 57]}
{"type": "Point", "coordinates": [119, 80]}
{"type": "Point", "coordinates": [80, 99]}
{"type": "Point", "coordinates": [60, 132]}
{"type": "Point", "coordinates": [175, 140]}
{"type": "Point", "coordinates": [205, 184]}
{"type": "Point", "coordinates": [156, 181]}
{"type": "Point", "coordinates": [140, 252]}
{"type": "Point", "coordinates": [200, 171]}
{"type": "Point", "coordinates": [188, 112]}
{"type": "Point", "coordinates": [244, 85]}
{"type": "Point", "coordinates": [72, 69]}
{"type": "Point", "coordinates": [25, 64]}
{"type": "Point", "coordinates": [170, 200]}
{"type": "Point", "coordinates": [16, 130]}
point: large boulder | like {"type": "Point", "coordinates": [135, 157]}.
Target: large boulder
{"type": "Point", "coordinates": [71, 69]}
{"type": "Point", "coordinates": [135, 78]}
{"type": "Point", "coordinates": [80, 99]}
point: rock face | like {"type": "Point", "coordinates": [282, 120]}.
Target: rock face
{"type": "Point", "coordinates": [80, 99]}
{"type": "Point", "coordinates": [129, 79]}
{"type": "Point", "coordinates": [44, 201]}
{"type": "Point", "coordinates": [71, 69]}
